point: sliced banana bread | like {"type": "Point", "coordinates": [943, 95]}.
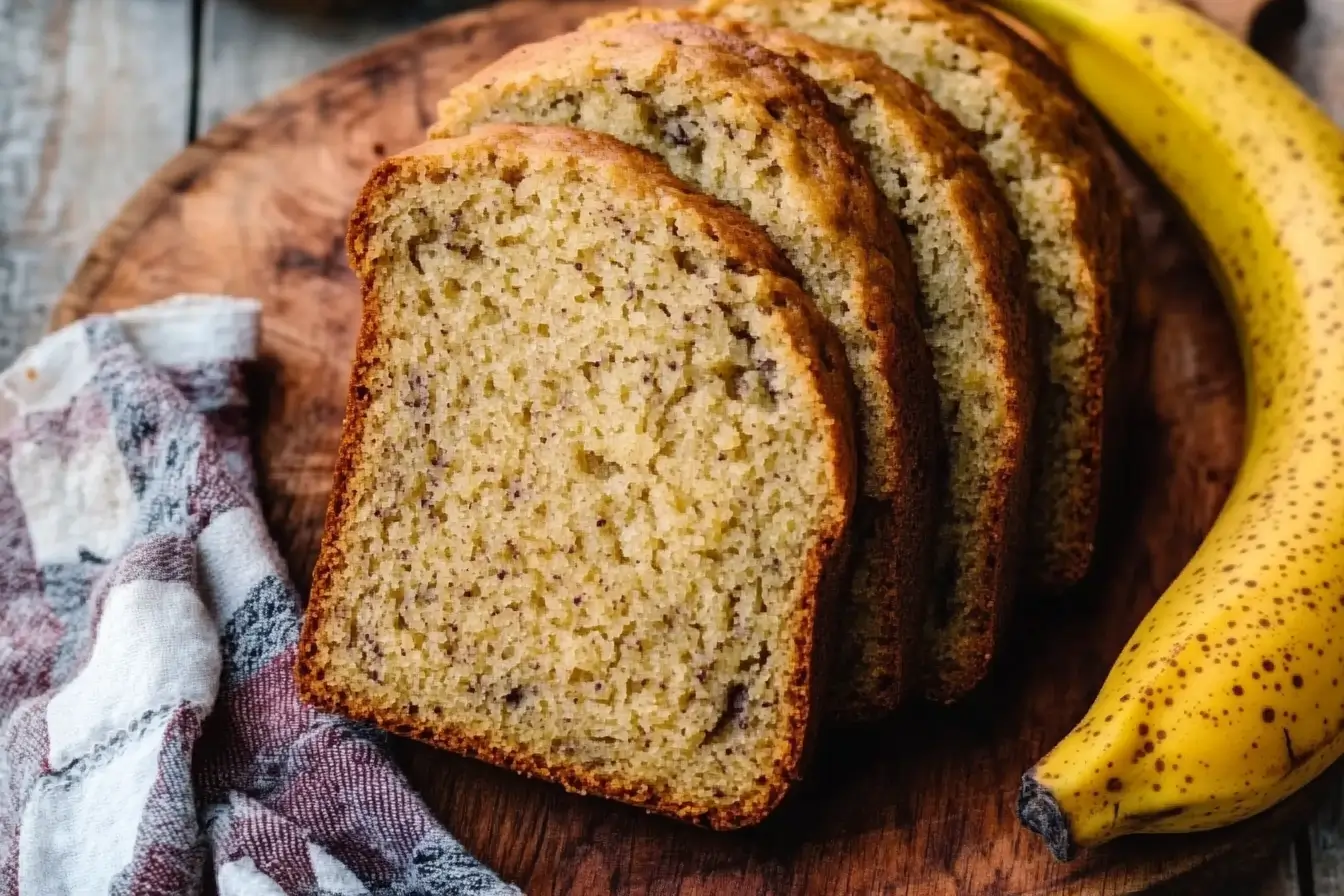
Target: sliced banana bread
{"type": "Point", "coordinates": [1044, 149]}
{"type": "Point", "coordinates": [742, 124]}
{"type": "Point", "coordinates": [975, 321]}
{"type": "Point", "coordinates": [594, 481]}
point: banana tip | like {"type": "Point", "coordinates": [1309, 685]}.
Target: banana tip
{"type": "Point", "coordinates": [1039, 812]}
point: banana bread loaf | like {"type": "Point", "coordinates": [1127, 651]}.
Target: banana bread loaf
{"type": "Point", "coordinates": [594, 480]}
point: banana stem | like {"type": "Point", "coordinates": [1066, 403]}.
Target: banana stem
{"type": "Point", "coordinates": [1039, 812]}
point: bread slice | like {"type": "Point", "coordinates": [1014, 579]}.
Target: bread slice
{"type": "Point", "coordinates": [1044, 149]}
{"type": "Point", "coordinates": [594, 480]}
{"type": "Point", "coordinates": [974, 313]}
{"type": "Point", "coordinates": [740, 123]}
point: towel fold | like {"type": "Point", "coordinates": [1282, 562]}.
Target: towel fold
{"type": "Point", "coordinates": [148, 718]}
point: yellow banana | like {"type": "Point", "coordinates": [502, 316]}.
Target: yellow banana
{"type": "Point", "coordinates": [1230, 695]}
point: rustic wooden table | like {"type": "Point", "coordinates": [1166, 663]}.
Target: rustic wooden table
{"type": "Point", "coordinates": [96, 94]}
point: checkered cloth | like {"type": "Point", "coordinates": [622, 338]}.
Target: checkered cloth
{"type": "Point", "coordinates": [147, 627]}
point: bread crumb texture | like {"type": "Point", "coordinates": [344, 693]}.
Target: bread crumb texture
{"type": "Point", "coordinates": [741, 124]}
{"type": "Point", "coordinates": [597, 466]}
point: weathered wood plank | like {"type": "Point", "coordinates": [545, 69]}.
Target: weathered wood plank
{"type": "Point", "coordinates": [1327, 849]}
{"type": "Point", "coordinates": [1319, 62]}
{"type": "Point", "coordinates": [1282, 879]}
{"type": "Point", "coordinates": [93, 99]}
{"type": "Point", "coordinates": [249, 51]}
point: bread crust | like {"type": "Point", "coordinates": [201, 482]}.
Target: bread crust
{"type": "Point", "coordinates": [808, 334]}
{"type": "Point", "coordinates": [1060, 128]}
{"type": "Point", "coordinates": [900, 475]}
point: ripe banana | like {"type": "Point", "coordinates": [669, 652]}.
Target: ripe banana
{"type": "Point", "coordinates": [1228, 697]}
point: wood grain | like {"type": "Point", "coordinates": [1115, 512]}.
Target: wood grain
{"type": "Point", "coordinates": [921, 804]}
{"type": "Point", "coordinates": [1326, 838]}
{"type": "Point", "coordinates": [249, 50]}
{"type": "Point", "coordinates": [1318, 63]}
{"type": "Point", "coordinates": [1281, 879]}
{"type": "Point", "coordinates": [93, 99]}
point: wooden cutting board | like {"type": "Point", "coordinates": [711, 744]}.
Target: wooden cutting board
{"type": "Point", "coordinates": [922, 804]}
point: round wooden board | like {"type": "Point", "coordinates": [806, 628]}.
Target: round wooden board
{"type": "Point", "coordinates": [922, 804]}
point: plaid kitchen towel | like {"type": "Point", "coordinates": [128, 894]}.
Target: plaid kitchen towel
{"type": "Point", "coordinates": [147, 628]}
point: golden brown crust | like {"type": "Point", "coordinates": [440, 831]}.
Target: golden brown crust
{"type": "Point", "coordinates": [1061, 129]}
{"type": "Point", "coordinates": [623, 168]}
